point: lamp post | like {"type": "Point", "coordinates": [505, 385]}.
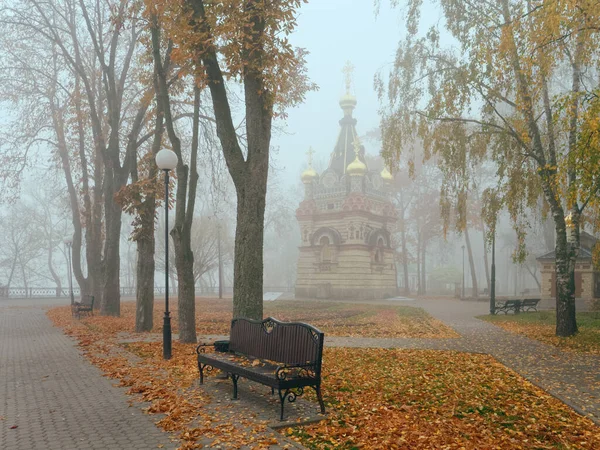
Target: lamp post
{"type": "Point", "coordinates": [69, 243]}
{"type": "Point", "coordinates": [166, 160]}
{"type": "Point", "coordinates": [463, 273]}
{"type": "Point", "coordinates": [493, 286]}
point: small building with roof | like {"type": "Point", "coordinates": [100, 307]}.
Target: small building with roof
{"type": "Point", "coordinates": [587, 279]}
{"type": "Point", "coordinates": [346, 221]}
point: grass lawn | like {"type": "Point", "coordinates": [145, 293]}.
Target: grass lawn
{"type": "Point", "coordinates": [422, 399]}
{"type": "Point", "coordinates": [376, 398]}
{"type": "Point", "coordinates": [213, 316]}
{"type": "Point", "coordinates": [542, 326]}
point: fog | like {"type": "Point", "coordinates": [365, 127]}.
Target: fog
{"type": "Point", "coordinates": [334, 32]}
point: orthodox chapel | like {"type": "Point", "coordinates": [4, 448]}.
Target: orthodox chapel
{"type": "Point", "coordinates": [346, 220]}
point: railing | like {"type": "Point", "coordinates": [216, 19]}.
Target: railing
{"type": "Point", "coordinates": [126, 291]}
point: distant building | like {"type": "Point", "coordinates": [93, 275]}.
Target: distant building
{"type": "Point", "coordinates": [346, 220]}
{"type": "Point", "coordinates": [587, 280]}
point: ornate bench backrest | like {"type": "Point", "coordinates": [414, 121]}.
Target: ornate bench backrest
{"type": "Point", "coordinates": [286, 342]}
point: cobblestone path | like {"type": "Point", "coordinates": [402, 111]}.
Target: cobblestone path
{"type": "Point", "coordinates": [52, 398]}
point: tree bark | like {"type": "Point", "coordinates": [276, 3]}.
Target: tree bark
{"type": "Point", "coordinates": [248, 262]}
{"type": "Point", "coordinates": [419, 288]}
{"type": "Point", "coordinates": [485, 259]}
{"type": "Point", "coordinates": [423, 283]}
{"type": "Point", "coordinates": [471, 264]}
{"type": "Point", "coordinates": [404, 247]}
{"type": "Point", "coordinates": [249, 174]}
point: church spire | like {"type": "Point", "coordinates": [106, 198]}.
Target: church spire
{"type": "Point", "coordinates": [344, 152]}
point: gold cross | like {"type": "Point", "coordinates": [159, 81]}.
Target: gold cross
{"type": "Point", "coordinates": [356, 146]}
{"type": "Point", "coordinates": [310, 154]}
{"type": "Point", "coordinates": [348, 70]}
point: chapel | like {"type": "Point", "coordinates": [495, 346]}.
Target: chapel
{"type": "Point", "coordinates": [346, 222]}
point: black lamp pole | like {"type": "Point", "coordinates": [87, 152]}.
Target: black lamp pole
{"type": "Point", "coordinates": [69, 244]}
{"type": "Point", "coordinates": [493, 286]}
{"type": "Point", "coordinates": [463, 272]}
{"type": "Point", "coordinates": [167, 318]}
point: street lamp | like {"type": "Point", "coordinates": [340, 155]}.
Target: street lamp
{"type": "Point", "coordinates": [166, 160]}
{"type": "Point", "coordinates": [69, 243]}
{"type": "Point", "coordinates": [463, 273]}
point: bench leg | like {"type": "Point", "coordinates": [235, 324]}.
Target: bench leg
{"type": "Point", "coordinates": [320, 397]}
{"type": "Point", "coordinates": [201, 370]}
{"type": "Point", "coordinates": [282, 400]}
{"type": "Point", "coordinates": [234, 378]}
{"type": "Point", "coordinates": [272, 391]}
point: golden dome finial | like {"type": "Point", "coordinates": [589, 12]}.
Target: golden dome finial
{"type": "Point", "coordinates": [309, 174]}
{"type": "Point", "coordinates": [386, 175]}
{"type": "Point", "coordinates": [348, 101]}
{"type": "Point", "coordinates": [356, 167]}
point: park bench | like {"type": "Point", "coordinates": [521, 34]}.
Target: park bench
{"type": "Point", "coordinates": [529, 304]}
{"type": "Point", "coordinates": [509, 305]}
{"type": "Point", "coordinates": [85, 306]}
{"type": "Point", "coordinates": [286, 356]}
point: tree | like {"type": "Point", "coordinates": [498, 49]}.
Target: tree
{"type": "Point", "coordinates": [512, 92]}
{"type": "Point", "coordinates": [244, 42]}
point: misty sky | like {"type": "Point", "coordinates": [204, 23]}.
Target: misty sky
{"type": "Point", "coordinates": [334, 31]}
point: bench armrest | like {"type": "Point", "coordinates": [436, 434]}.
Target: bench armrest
{"type": "Point", "coordinates": [202, 347]}
{"type": "Point", "coordinates": [308, 370]}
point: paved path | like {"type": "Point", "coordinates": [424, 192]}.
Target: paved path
{"type": "Point", "coordinates": [55, 398]}
{"type": "Point", "coordinates": [573, 378]}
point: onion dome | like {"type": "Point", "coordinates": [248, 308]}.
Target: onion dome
{"type": "Point", "coordinates": [309, 175]}
{"type": "Point", "coordinates": [347, 102]}
{"type": "Point", "coordinates": [386, 175]}
{"type": "Point", "coordinates": [356, 168]}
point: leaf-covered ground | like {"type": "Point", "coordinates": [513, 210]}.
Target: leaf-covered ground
{"type": "Point", "coordinates": [542, 326]}
{"type": "Point", "coordinates": [422, 399]}
{"type": "Point", "coordinates": [376, 398]}
{"type": "Point", "coordinates": [213, 316]}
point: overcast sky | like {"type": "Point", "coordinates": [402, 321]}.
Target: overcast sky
{"type": "Point", "coordinates": [335, 31]}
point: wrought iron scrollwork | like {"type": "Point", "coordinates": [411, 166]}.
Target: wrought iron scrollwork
{"type": "Point", "coordinates": [290, 395]}
{"type": "Point", "coordinates": [269, 325]}
{"type": "Point", "coordinates": [298, 371]}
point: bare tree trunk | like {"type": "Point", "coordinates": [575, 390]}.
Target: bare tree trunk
{"type": "Point", "coordinates": [404, 248]}
{"type": "Point", "coordinates": [423, 283]}
{"type": "Point", "coordinates": [53, 273]}
{"type": "Point", "coordinates": [248, 263]}
{"type": "Point", "coordinates": [471, 264]}
{"type": "Point", "coordinates": [534, 276]}
{"type": "Point", "coordinates": [485, 259]}
{"type": "Point", "coordinates": [419, 287]}
{"type": "Point", "coordinates": [185, 196]}
{"type": "Point", "coordinates": [144, 296]}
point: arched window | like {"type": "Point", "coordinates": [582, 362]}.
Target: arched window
{"type": "Point", "coordinates": [326, 250]}
{"type": "Point", "coordinates": [379, 251]}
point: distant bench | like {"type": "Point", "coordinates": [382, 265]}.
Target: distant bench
{"type": "Point", "coordinates": [516, 306]}
{"type": "Point", "coordinates": [285, 356]}
{"type": "Point", "coordinates": [85, 306]}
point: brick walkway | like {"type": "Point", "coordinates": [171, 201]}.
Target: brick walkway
{"type": "Point", "coordinates": [55, 398]}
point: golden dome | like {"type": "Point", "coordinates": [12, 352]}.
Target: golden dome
{"type": "Point", "coordinates": [347, 101]}
{"type": "Point", "coordinates": [386, 175]}
{"type": "Point", "coordinates": [309, 175]}
{"type": "Point", "coordinates": [356, 168]}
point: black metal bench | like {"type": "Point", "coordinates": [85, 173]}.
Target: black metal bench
{"type": "Point", "coordinates": [85, 306]}
{"type": "Point", "coordinates": [509, 305]}
{"type": "Point", "coordinates": [282, 355]}
{"type": "Point", "coordinates": [529, 304]}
